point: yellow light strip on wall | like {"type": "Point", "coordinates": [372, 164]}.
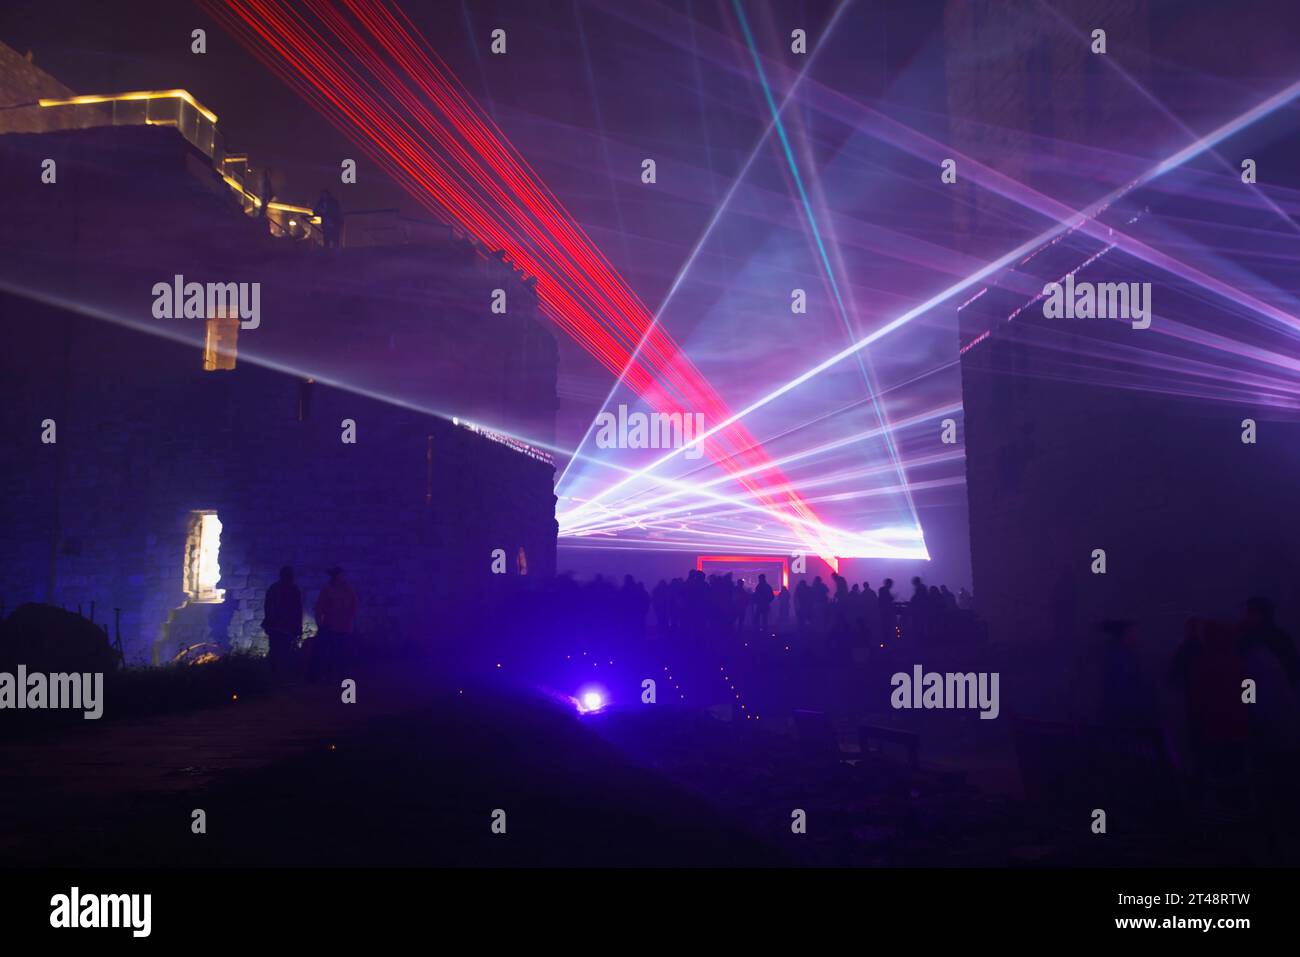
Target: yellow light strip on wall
{"type": "Point", "coordinates": [286, 208]}
{"type": "Point", "coordinates": [139, 95]}
{"type": "Point", "coordinates": [234, 184]}
{"type": "Point", "coordinates": [184, 95]}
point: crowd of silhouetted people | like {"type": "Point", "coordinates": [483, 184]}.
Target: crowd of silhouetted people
{"type": "Point", "coordinates": [713, 612]}
{"type": "Point", "coordinates": [1220, 718]}
{"type": "Point", "coordinates": [842, 613]}
{"type": "Point", "coordinates": [1240, 689]}
{"type": "Point", "coordinates": [1236, 685]}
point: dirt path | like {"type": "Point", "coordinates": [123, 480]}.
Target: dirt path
{"type": "Point", "coordinates": [94, 771]}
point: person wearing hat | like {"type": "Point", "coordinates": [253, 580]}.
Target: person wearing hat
{"type": "Point", "coordinates": [336, 614]}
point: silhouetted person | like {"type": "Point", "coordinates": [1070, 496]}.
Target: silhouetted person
{"type": "Point", "coordinates": [331, 219]}
{"type": "Point", "coordinates": [721, 602]}
{"type": "Point", "coordinates": [965, 600]}
{"type": "Point", "coordinates": [336, 615]}
{"type": "Point", "coordinates": [821, 602]}
{"type": "Point", "coordinates": [635, 602]}
{"type": "Point", "coordinates": [282, 622]}
{"type": "Point", "coordinates": [763, 597]}
{"type": "Point", "coordinates": [676, 605]}
{"type": "Point", "coordinates": [267, 195]}
{"type": "Point", "coordinates": [870, 609]}
{"type": "Point", "coordinates": [838, 612]}
{"type": "Point", "coordinates": [854, 617]}
{"type": "Point", "coordinates": [741, 606]}
{"type": "Point", "coordinates": [696, 607]}
{"type": "Point", "coordinates": [919, 608]}
{"type": "Point", "coordinates": [1269, 659]}
{"type": "Point", "coordinates": [783, 609]}
{"type": "Point", "coordinates": [1258, 630]}
{"type": "Point", "coordinates": [888, 616]}
{"type": "Point", "coordinates": [802, 605]}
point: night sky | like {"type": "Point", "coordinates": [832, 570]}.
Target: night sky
{"type": "Point", "coordinates": [588, 89]}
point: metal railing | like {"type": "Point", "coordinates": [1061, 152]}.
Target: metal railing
{"type": "Point", "coordinates": [198, 125]}
{"type": "Point", "coordinates": [174, 108]}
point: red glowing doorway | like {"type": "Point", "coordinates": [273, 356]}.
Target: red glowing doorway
{"type": "Point", "coordinates": [739, 562]}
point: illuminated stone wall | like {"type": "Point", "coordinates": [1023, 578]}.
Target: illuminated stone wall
{"type": "Point", "coordinates": [145, 436]}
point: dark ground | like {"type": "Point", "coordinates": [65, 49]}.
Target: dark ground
{"type": "Point", "coordinates": [411, 774]}
{"type": "Point", "coordinates": [408, 776]}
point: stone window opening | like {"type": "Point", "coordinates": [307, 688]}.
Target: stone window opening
{"type": "Point", "coordinates": [221, 344]}
{"type": "Point", "coordinates": [202, 558]}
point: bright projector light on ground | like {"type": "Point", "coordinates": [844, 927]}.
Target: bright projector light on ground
{"type": "Point", "coordinates": [590, 701]}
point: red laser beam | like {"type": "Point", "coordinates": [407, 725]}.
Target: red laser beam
{"type": "Point", "coordinates": [371, 74]}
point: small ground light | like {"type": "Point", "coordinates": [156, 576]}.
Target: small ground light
{"type": "Point", "coordinates": [234, 697]}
